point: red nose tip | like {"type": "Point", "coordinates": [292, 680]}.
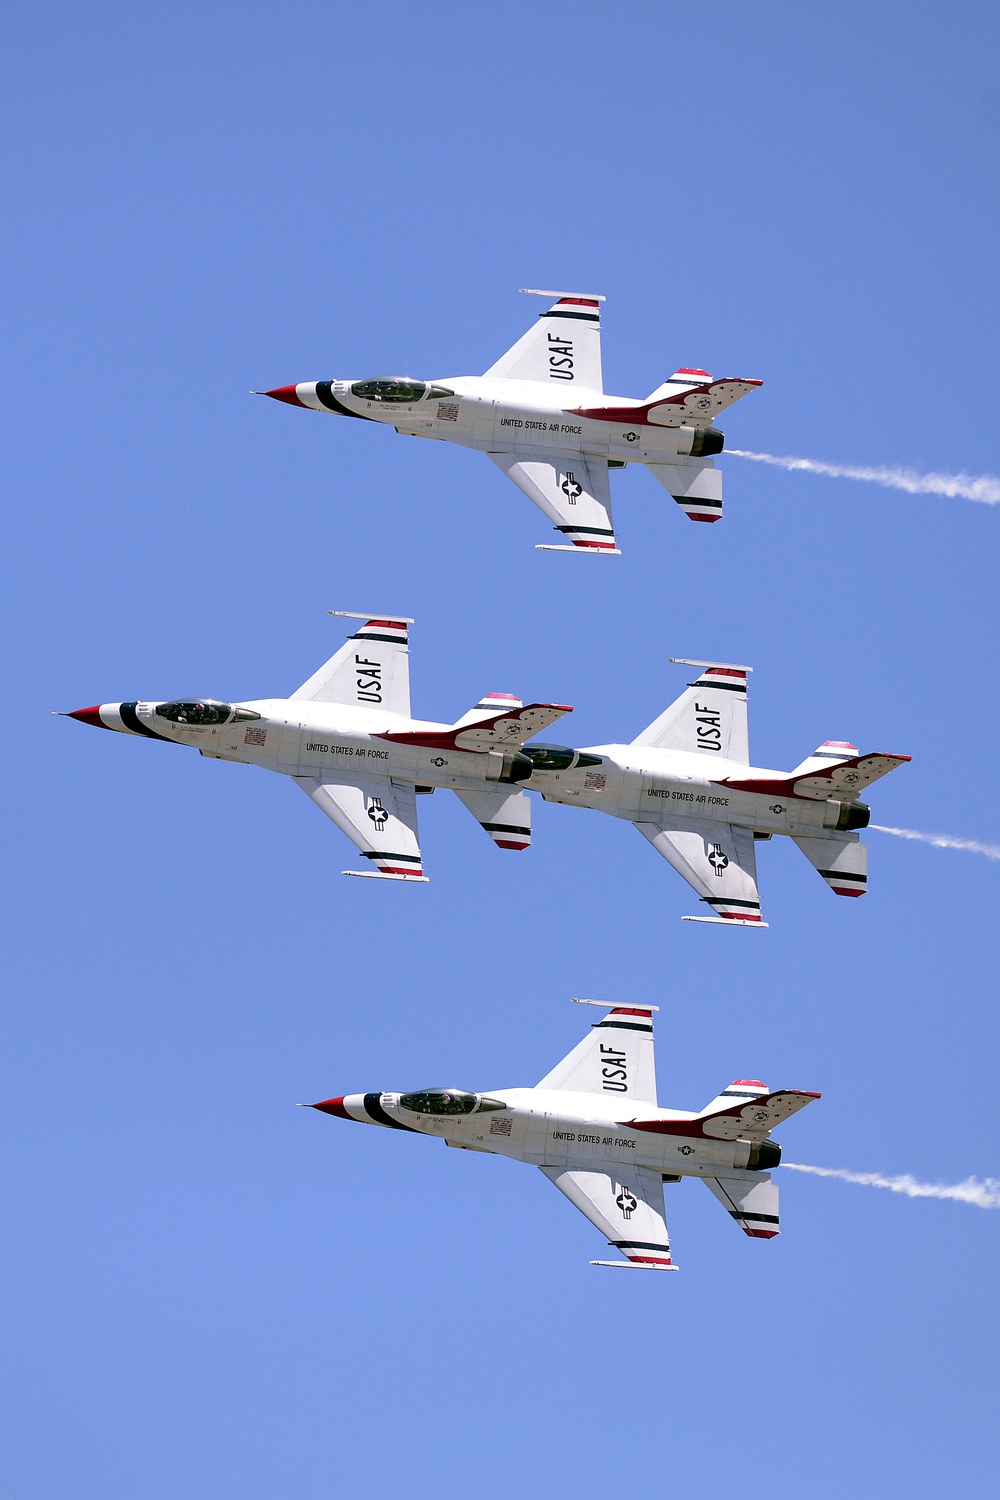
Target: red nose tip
{"type": "Point", "coordinates": [285, 393]}
{"type": "Point", "coordinates": [89, 716]}
{"type": "Point", "coordinates": [334, 1107]}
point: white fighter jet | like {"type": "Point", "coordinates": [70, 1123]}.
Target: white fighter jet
{"type": "Point", "coordinates": [687, 785]}
{"type": "Point", "coordinates": [347, 739]}
{"type": "Point", "coordinates": [542, 416]}
{"type": "Point", "coordinates": [594, 1128]}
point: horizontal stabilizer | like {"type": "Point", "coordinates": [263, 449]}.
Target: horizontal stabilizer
{"type": "Point", "coordinates": [752, 1202]}
{"type": "Point", "coordinates": [506, 730]}
{"type": "Point", "coordinates": [491, 703]}
{"type": "Point", "coordinates": [844, 779]}
{"type": "Point", "coordinates": [843, 863]}
{"type": "Point", "coordinates": [637, 1265]}
{"type": "Point", "coordinates": [680, 382]}
{"type": "Point", "coordinates": [740, 1088]}
{"type": "Point", "coordinates": [830, 753]}
{"type": "Point", "coordinates": [506, 816]}
{"type": "Point", "coordinates": [697, 488]}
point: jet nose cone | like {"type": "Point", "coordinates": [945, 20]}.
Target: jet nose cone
{"type": "Point", "coordinates": [333, 1107]}
{"type": "Point", "coordinates": [89, 716]}
{"type": "Point", "coordinates": [285, 393]}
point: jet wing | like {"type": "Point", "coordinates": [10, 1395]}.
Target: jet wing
{"type": "Point", "coordinates": [718, 860]}
{"type": "Point", "coordinates": [626, 1205]}
{"type": "Point", "coordinates": [372, 670]}
{"type": "Point", "coordinates": [572, 490]}
{"type": "Point", "coordinates": [563, 347]}
{"type": "Point", "coordinates": [615, 1058]}
{"type": "Point", "coordinates": [710, 718]}
{"type": "Point", "coordinates": [379, 817]}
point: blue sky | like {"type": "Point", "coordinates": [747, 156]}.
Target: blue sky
{"type": "Point", "coordinates": [211, 1292]}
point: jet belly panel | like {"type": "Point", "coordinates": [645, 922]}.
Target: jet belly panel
{"type": "Point", "coordinates": [330, 754]}
{"type": "Point", "coordinates": [601, 787]}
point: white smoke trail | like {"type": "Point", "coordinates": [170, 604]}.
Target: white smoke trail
{"type": "Point", "coordinates": [941, 840]}
{"type": "Point", "coordinates": [982, 487]}
{"type": "Point", "coordinates": [985, 1194]}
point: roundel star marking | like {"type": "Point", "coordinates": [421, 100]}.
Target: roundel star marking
{"type": "Point", "coordinates": [718, 859]}
{"type": "Point", "coordinates": [627, 1202]}
{"type": "Point", "coordinates": [571, 488]}
{"type": "Point", "coordinates": [378, 814]}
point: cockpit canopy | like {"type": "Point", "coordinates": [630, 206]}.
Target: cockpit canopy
{"type": "Point", "coordinates": [447, 1102]}
{"type": "Point", "coordinates": [397, 388]}
{"type": "Point", "coordinates": [389, 390]}
{"type": "Point", "coordinates": [557, 757]}
{"type": "Point", "coordinates": [200, 714]}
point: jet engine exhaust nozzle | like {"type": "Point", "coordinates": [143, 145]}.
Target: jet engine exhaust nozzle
{"type": "Point", "coordinates": [853, 815]}
{"type": "Point", "coordinates": [516, 767]}
{"type": "Point", "coordinates": [704, 441]}
{"type": "Point", "coordinates": [763, 1156]}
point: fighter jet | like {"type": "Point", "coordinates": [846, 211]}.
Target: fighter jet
{"type": "Point", "coordinates": [594, 1128]}
{"type": "Point", "coordinates": [687, 785]}
{"type": "Point", "coordinates": [347, 739]}
{"type": "Point", "coordinates": [541, 415]}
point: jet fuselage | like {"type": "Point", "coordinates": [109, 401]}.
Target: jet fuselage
{"type": "Point", "coordinates": [494, 415]}
{"type": "Point", "coordinates": [552, 1128]}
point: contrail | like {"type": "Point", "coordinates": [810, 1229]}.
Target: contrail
{"type": "Point", "coordinates": [941, 840]}
{"type": "Point", "coordinates": [983, 487]}
{"type": "Point", "coordinates": [985, 1194]}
